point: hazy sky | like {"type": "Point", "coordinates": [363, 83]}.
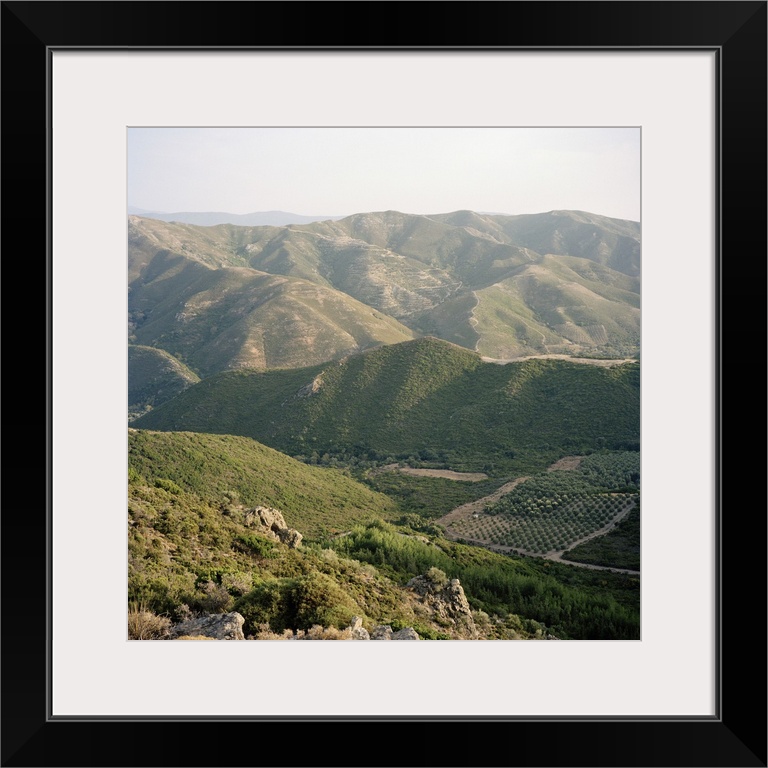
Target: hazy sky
{"type": "Point", "coordinates": [340, 171]}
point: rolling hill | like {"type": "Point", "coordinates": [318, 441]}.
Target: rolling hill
{"type": "Point", "coordinates": [214, 467]}
{"type": "Point", "coordinates": [217, 318]}
{"type": "Point", "coordinates": [424, 397]}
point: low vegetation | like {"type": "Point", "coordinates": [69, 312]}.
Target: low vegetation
{"type": "Point", "coordinates": [192, 550]}
{"type": "Point", "coordinates": [215, 467]}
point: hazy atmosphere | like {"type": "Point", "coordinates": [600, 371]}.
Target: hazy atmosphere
{"type": "Point", "coordinates": [340, 171]}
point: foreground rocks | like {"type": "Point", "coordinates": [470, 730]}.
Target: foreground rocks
{"type": "Point", "coordinates": [229, 626]}
{"type": "Point", "coordinates": [217, 626]}
{"type": "Point", "coordinates": [386, 633]}
{"type": "Point", "coordinates": [381, 632]}
{"type": "Point", "coordinates": [442, 599]}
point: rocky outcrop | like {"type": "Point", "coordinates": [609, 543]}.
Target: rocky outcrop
{"type": "Point", "coordinates": [359, 632]}
{"type": "Point", "coordinates": [218, 626]}
{"type": "Point", "coordinates": [271, 523]}
{"type": "Point", "coordinates": [407, 633]}
{"type": "Point", "coordinates": [446, 602]}
{"type": "Point", "coordinates": [384, 632]}
{"type": "Point", "coordinates": [312, 388]}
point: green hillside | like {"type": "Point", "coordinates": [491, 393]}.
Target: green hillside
{"type": "Point", "coordinates": [312, 499]}
{"type": "Point", "coordinates": [191, 549]}
{"type": "Point", "coordinates": [425, 397]}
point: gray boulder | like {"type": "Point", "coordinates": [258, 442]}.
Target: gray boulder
{"type": "Point", "coordinates": [446, 602]}
{"type": "Point", "coordinates": [359, 632]}
{"type": "Point", "coordinates": [271, 523]}
{"type": "Point", "coordinates": [384, 632]}
{"type": "Point", "coordinates": [219, 626]}
{"type": "Point", "coordinates": [408, 633]}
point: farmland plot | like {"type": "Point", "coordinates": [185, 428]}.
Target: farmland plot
{"type": "Point", "coordinates": [552, 512]}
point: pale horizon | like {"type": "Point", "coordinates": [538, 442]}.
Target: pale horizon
{"type": "Point", "coordinates": [336, 172]}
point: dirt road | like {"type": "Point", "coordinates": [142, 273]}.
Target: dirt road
{"type": "Point", "coordinates": [476, 507]}
{"type": "Point", "coordinates": [602, 363]}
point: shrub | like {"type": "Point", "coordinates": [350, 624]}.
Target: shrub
{"type": "Point", "coordinates": [264, 632]}
{"type": "Point", "coordinates": [318, 599]}
{"type": "Point", "coordinates": [316, 632]}
{"type": "Point", "coordinates": [217, 599]}
{"type": "Point", "coordinates": [267, 604]}
{"type": "Point", "coordinates": [145, 625]}
{"type": "Point", "coordinates": [167, 485]}
{"type": "Point", "coordinates": [239, 583]}
{"type": "Point", "coordinates": [437, 577]}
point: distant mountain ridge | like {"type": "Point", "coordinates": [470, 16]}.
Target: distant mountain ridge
{"type": "Point", "coordinates": [212, 218]}
{"type": "Point", "coordinates": [224, 297]}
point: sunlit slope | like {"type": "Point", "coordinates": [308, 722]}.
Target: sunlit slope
{"type": "Point", "coordinates": [561, 305]}
{"type": "Point", "coordinates": [574, 280]}
{"type": "Point", "coordinates": [212, 466]}
{"type": "Point", "coordinates": [231, 317]}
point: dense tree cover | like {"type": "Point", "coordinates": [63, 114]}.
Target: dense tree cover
{"type": "Point", "coordinates": [596, 606]}
{"type": "Point", "coordinates": [416, 399]}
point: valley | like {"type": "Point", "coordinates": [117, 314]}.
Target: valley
{"type": "Point", "coordinates": [457, 394]}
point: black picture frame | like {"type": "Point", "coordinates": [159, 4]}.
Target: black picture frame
{"type": "Point", "coordinates": [736, 736]}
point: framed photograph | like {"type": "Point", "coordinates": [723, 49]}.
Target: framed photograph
{"type": "Point", "coordinates": [84, 80]}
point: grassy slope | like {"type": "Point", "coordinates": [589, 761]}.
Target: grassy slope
{"type": "Point", "coordinates": [312, 499]}
{"type": "Point", "coordinates": [424, 394]}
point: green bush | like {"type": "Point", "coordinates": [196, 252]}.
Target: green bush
{"type": "Point", "coordinates": [267, 603]}
{"type": "Point", "coordinates": [318, 599]}
{"type": "Point", "coordinates": [167, 485]}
